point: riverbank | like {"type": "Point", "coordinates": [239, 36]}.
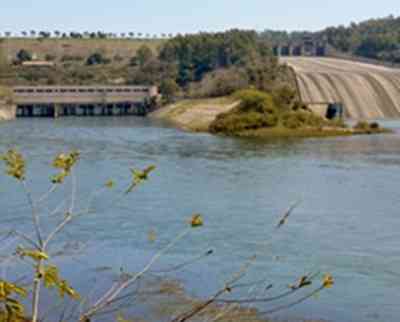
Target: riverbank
{"type": "Point", "coordinates": [194, 115]}
{"type": "Point", "coordinates": [7, 109]}
{"type": "Point", "coordinates": [281, 132]}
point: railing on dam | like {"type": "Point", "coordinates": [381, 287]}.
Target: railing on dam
{"type": "Point", "coordinates": [82, 94]}
{"type": "Point", "coordinates": [54, 101]}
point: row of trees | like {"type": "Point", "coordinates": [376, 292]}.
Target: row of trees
{"type": "Point", "coordinates": [375, 38]}
{"type": "Point", "coordinates": [86, 34]}
{"type": "Point", "coordinates": [216, 64]}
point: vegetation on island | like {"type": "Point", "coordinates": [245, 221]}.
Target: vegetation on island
{"type": "Point", "coordinates": [258, 110]}
{"type": "Point", "coordinates": [280, 114]}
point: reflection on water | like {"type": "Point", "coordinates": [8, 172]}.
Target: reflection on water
{"type": "Point", "coordinates": [348, 223]}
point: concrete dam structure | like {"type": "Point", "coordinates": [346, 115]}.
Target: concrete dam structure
{"type": "Point", "coordinates": [366, 91]}
{"type": "Point", "coordinates": [56, 101]}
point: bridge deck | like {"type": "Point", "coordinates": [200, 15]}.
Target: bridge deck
{"type": "Point", "coordinates": [54, 101]}
{"type": "Point", "coordinates": [82, 94]}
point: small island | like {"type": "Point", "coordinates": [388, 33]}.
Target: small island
{"type": "Point", "coordinates": [256, 114]}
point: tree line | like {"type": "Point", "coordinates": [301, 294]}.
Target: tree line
{"type": "Point", "coordinates": [374, 38]}
{"type": "Point", "coordinates": [83, 35]}
{"type": "Point", "coordinates": [211, 64]}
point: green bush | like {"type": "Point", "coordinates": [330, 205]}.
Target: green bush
{"type": "Point", "coordinates": [284, 96]}
{"type": "Point", "coordinates": [24, 55]}
{"type": "Point", "coordinates": [233, 123]}
{"type": "Point", "coordinates": [70, 58]}
{"type": "Point", "coordinates": [262, 110]}
{"type": "Point", "coordinates": [222, 82]}
{"type": "Point", "coordinates": [362, 125]}
{"type": "Point", "coordinates": [257, 101]}
{"type": "Point", "coordinates": [256, 110]}
{"type": "Point", "coordinates": [300, 118]}
{"type": "Point", "coordinates": [50, 57]}
{"type": "Point", "coordinates": [365, 126]}
{"type": "Point", "coordinates": [169, 89]}
{"type": "Point", "coordinates": [375, 126]}
{"type": "Point", "coordinates": [97, 59]}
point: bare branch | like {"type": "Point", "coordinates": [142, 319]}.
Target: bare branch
{"type": "Point", "coordinates": [113, 293]}
{"type": "Point", "coordinates": [35, 216]}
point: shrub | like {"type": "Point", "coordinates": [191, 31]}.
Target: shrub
{"type": "Point", "coordinates": [232, 123]}
{"type": "Point", "coordinates": [284, 97]}
{"type": "Point", "coordinates": [256, 110]}
{"type": "Point", "coordinates": [375, 126]}
{"type": "Point", "coordinates": [143, 55]}
{"type": "Point", "coordinates": [362, 125]}
{"type": "Point", "coordinates": [50, 57]}
{"type": "Point", "coordinates": [301, 118]}
{"type": "Point", "coordinates": [219, 83]}
{"type": "Point", "coordinates": [118, 58]}
{"type": "Point", "coordinates": [97, 59]}
{"type": "Point", "coordinates": [169, 90]}
{"type": "Point", "coordinates": [24, 55]}
{"type": "Point", "coordinates": [254, 100]}
{"type": "Point", "coordinates": [69, 58]}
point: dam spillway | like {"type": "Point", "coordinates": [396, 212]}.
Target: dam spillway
{"type": "Point", "coordinates": [367, 91]}
{"type": "Point", "coordinates": [56, 101]}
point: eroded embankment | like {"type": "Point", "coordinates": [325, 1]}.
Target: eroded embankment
{"type": "Point", "coordinates": [367, 91]}
{"type": "Point", "coordinates": [195, 114]}
{"type": "Point", "coordinates": [7, 108]}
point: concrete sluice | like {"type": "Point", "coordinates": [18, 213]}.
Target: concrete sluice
{"type": "Point", "coordinates": [366, 91]}
{"type": "Point", "coordinates": [61, 110]}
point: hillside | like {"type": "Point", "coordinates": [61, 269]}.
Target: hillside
{"type": "Point", "coordinates": [197, 65]}
{"type": "Point", "coordinates": [60, 47]}
{"type": "Point", "coordinates": [70, 56]}
{"type": "Point", "coordinates": [374, 38]}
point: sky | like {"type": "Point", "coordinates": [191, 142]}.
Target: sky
{"type": "Point", "coordinates": [187, 16]}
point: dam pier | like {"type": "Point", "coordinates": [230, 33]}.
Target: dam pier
{"type": "Point", "coordinates": [62, 101]}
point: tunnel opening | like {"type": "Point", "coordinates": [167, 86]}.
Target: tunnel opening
{"type": "Point", "coordinates": [334, 111]}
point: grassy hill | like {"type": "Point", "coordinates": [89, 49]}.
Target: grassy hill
{"type": "Point", "coordinates": [59, 47]}
{"type": "Point", "coordinates": [70, 56]}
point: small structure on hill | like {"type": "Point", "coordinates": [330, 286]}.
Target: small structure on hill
{"type": "Point", "coordinates": [38, 63]}
{"type": "Point", "coordinates": [307, 46]}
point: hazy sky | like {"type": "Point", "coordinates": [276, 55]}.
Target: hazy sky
{"type": "Point", "coordinates": [149, 16]}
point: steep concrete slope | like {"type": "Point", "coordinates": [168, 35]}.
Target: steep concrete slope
{"type": "Point", "coordinates": [367, 91]}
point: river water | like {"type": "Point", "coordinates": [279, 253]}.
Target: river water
{"type": "Point", "coordinates": [348, 221]}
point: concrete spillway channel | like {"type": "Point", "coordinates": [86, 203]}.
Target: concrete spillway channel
{"type": "Point", "coordinates": [366, 91]}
